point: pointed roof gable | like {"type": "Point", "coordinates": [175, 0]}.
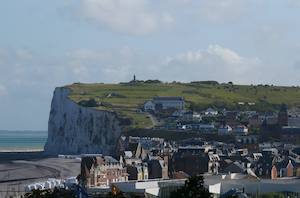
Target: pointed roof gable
{"type": "Point", "coordinates": [283, 108]}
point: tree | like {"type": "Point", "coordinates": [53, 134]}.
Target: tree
{"type": "Point", "coordinates": [92, 103]}
{"type": "Point", "coordinates": [272, 195]}
{"type": "Point", "coordinates": [193, 187]}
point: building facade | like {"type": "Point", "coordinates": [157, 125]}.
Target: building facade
{"type": "Point", "coordinates": [170, 102]}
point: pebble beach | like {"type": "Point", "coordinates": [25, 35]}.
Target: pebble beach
{"type": "Point", "coordinates": [22, 168]}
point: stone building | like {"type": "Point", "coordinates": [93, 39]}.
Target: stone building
{"type": "Point", "coordinates": [101, 171]}
{"type": "Point", "coordinates": [271, 127]}
{"type": "Point", "coordinates": [250, 142]}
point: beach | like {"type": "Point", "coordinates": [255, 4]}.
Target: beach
{"type": "Point", "coordinates": [21, 168]}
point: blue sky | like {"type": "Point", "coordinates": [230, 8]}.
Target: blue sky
{"type": "Point", "coordinates": [46, 44]}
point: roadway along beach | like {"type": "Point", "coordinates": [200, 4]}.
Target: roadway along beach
{"type": "Point", "coordinates": [20, 168]}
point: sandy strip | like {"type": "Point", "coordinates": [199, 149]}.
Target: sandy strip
{"type": "Point", "coordinates": [14, 174]}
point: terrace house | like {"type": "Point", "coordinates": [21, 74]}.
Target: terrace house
{"type": "Point", "coordinates": [191, 116]}
{"type": "Point", "coordinates": [101, 171]}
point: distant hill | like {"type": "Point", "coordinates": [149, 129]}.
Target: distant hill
{"type": "Point", "coordinates": [124, 98]}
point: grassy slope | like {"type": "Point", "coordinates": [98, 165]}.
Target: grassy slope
{"type": "Point", "coordinates": [133, 95]}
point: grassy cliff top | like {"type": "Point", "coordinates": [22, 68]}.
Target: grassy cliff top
{"type": "Point", "coordinates": [198, 97]}
{"type": "Point", "coordinates": [134, 95]}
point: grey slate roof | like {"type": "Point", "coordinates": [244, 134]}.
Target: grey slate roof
{"type": "Point", "coordinates": [290, 130]}
{"type": "Point", "coordinates": [110, 159]}
{"type": "Point", "coordinates": [294, 122]}
{"type": "Point", "coordinates": [169, 98]}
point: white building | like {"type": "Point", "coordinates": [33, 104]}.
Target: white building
{"type": "Point", "coordinates": [170, 102]}
{"type": "Point", "coordinates": [240, 129]}
{"type": "Point", "coordinates": [210, 112]}
{"type": "Point", "coordinates": [149, 106]}
{"type": "Point", "coordinates": [224, 129]}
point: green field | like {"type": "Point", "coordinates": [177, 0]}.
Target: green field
{"type": "Point", "coordinates": [198, 96]}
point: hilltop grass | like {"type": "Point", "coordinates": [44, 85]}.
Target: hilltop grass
{"type": "Point", "coordinates": [198, 96]}
{"type": "Point", "coordinates": [136, 94]}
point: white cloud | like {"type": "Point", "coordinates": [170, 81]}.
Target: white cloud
{"type": "Point", "coordinates": [214, 63]}
{"type": "Point", "coordinates": [3, 90]}
{"type": "Point", "coordinates": [232, 61]}
{"type": "Point", "coordinates": [123, 16]}
{"type": "Point", "coordinates": [190, 56]}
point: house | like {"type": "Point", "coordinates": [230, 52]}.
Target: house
{"type": "Point", "coordinates": [191, 116]}
{"type": "Point", "coordinates": [136, 148]}
{"type": "Point", "coordinates": [255, 123]}
{"type": "Point", "coordinates": [290, 134]}
{"type": "Point", "coordinates": [234, 167]}
{"type": "Point", "coordinates": [158, 169]}
{"type": "Point", "coordinates": [101, 171]}
{"type": "Point", "coordinates": [174, 127]}
{"type": "Point", "coordinates": [176, 114]}
{"type": "Point", "coordinates": [289, 167]}
{"type": "Point", "coordinates": [148, 106]}
{"type": "Point", "coordinates": [224, 129]}
{"type": "Point", "coordinates": [170, 102]}
{"type": "Point", "coordinates": [194, 163]}
{"type": "Point", "coordinates": [240, 129]}
{"type": "Point", "coordinates": [264, 115]}
{"type": "Point", "coordinates": [168, 112]}
{"type": "Point", "coordinates": [251, 142]}
{"type": "Point", "coordinates": [223, 164]}
{"type": "Point", "coordinates": [206, 127]}
{"type": "Point", "coordinates": [210, 112]}
{"type": "Point", "coordinates": [138, 172]}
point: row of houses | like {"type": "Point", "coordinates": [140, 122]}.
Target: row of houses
{"type": "Point", "coordinates": [149, 159]}
{"type": "Point", "coordinates": [223, 129]}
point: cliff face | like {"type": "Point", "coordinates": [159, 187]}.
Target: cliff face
{"type": "Point", "coordinates": [74, 129]}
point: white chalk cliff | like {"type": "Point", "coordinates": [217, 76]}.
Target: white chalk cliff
{"type": "Point", "coordinates": [74, 129]}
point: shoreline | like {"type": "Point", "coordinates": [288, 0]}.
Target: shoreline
{"type": "Point", "coordinates": [20, 150]}
{"type": "Point", "coordinates": [21, 155]}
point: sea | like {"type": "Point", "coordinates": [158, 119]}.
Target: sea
{"type": "Point", "coordinates": [22, 141]}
